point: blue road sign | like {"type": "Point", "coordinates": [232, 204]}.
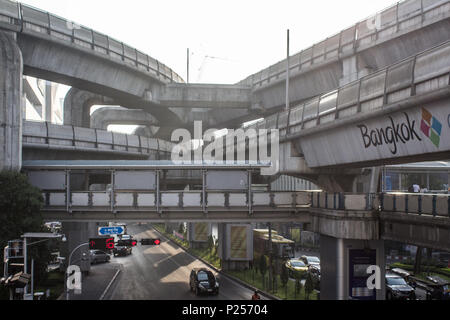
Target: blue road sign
{"type": "Point", "coordinates": [104, 231]}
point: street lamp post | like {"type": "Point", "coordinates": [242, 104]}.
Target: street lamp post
{"type": "Point", "coordinates": [68, 265]}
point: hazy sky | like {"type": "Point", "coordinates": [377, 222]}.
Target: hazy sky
{"type": "Point", "coordinates": [245, 36]}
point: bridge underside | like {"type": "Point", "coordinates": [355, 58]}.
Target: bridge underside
{"type": "Point", "coordinates": [222, 216]}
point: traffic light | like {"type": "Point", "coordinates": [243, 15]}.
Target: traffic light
{"type": "Point", "coordinates": [103, 244]}
{"type": "Point", "coordinates": [151, 242]}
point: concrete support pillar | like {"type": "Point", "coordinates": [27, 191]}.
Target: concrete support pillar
{"type": "Point", "coordinates": [344, 266]}
{"type": "Point", "coordinates": [50, 94]}
{"type": "Point", "coordinates": [336, 183]}
{"type": "Point", "coordinates": [11, 69]}
{"type": "Point", "coordinates": [76, 234]}
{"type": "Point", "coordinates": [374, 180]}
{"type": "Point", "coordinates": [77, 106]}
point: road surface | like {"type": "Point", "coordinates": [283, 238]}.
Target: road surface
{"type": "Point", "coordinates": [162, 273]}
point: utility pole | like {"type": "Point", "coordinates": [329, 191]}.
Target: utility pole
{"type": "Point", "coordinates": [187, 67]}
{"type": "Point", "coordinates": [287, 73]}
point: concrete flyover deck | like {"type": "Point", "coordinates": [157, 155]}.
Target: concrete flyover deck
{"type": "Point", "coordinates": [133, 79]}
{"type": "Point", "coordinates": [389, 36]}
{"type": "Point", "coordinates": [398, 114]}
{"type": "Point", "coordinates": [58, 50]}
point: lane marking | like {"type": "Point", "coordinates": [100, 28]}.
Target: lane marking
{"type": "Point", "coordinates": [109, 285]}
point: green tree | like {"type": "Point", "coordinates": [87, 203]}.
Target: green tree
{"type": "Point", "coordinates": [20, 205]}
{"type": "Point", "coordinates": [210, 243]}
{"type": "Point", "coordinates": [262, 265]}
{"type": "Point", "coordinates": [284, 276]}
{"type": "Point", "coordinates": [309, 285]}
{"type": "Point", "coordinates": [181, 229]}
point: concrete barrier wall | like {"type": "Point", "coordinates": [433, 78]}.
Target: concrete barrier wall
{"type": "Point", "coordinates": [423, 73]}
{"type": "Point", "coordinates": [397, 19]}
{"type": "Point", "coordinates": [426, 204]}
{"type": "Point", "coordinates": [423, 204]}
{"type": "Point", "coordinates": [57, 136]}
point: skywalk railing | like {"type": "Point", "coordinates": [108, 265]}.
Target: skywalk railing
{"type": "Point", "coordinates": [436, 205]}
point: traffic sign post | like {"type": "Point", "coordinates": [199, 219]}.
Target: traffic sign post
{"type": "Point", "coordinates": [103, 244]}
{"type": "Point", "coordinates": [106, 231]}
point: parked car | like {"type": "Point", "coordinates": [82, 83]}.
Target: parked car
{"type": "Point", "coordinates": [310, 260]}
{"type": "Point", "coordinates": [203, 280]}
{"type": "Point", "coordinates": [405, 275]}
{"type": "Point", "coordinates": [398, 289]}
{"type": "Point", "coordinates": [99, 256]}
{"type": "Point", "coordinates": [439, 291]}
{"type": "Point", "coordinates": [126, 237]}
{"type": "Point", "coordinates": [296, 266]}
{"type": "Point", "coordinates": [122, 250]}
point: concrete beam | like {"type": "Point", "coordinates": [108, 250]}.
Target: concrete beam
{"type": "Point", "coordinates": [360, 225]}
{"type": "Point", "coordinates": [101, 118]}
{"type": "Point", "coordinates": [11, 68]}
{"type": "Point", "coordinates": [425, 231]}
{"type": "Point", "coordinates": [204, 96]}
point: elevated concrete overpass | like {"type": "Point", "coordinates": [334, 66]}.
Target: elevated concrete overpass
{"type": "Point", "coordinates": [391, 35]}
{"type": "Point", "coordinates": [320, 136]}
{"type": "Point", "coordinates": [110, 68]}
{"type": "Point", "coordinates": [51, 46]}
{"type": "Point", "coordinates": [396, 115]}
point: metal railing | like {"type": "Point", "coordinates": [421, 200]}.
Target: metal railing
{"type": "Point", "coordinates": [418, 204]}
{"type": "Point", "coordinates": [436, 205]}
{"type": "Point", "coordinates": [161, 201]}
{"type": "Point", "coordinates": [44, 134]}
{"type": "Point", "coordinates": [425, 72]}
{"type": "Point", "coordinates": [26, 19]}
{"type": "Point", "coordinates": [393, 20]}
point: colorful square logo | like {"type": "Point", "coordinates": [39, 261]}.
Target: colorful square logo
{"type": "Point", "coordinates": [431, 127]}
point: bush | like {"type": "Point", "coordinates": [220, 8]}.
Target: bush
{"type": "Point", "coordinates": [407, 267]}
{"type": "Point", "coordinates": [262, 265]}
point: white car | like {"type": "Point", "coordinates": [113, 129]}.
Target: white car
{"type": "Point", "coordinates": [311, 261]}
{"type": "Point", "coordinates": [126, 237]}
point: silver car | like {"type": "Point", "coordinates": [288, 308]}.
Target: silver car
{"type": "Point", "coordinates": [99, 256]}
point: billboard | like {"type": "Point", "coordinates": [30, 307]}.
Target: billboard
{"type": "Point", "coordinates": [414, 131]}
{"type": "Point", "coordinates": [238, 239]}
{"type": "Point", "coordinates": [238, 244]}
{"type": "Point", "coordinates": [359, 261]}
{"type": "Point", "coordinates": [201, 231]}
